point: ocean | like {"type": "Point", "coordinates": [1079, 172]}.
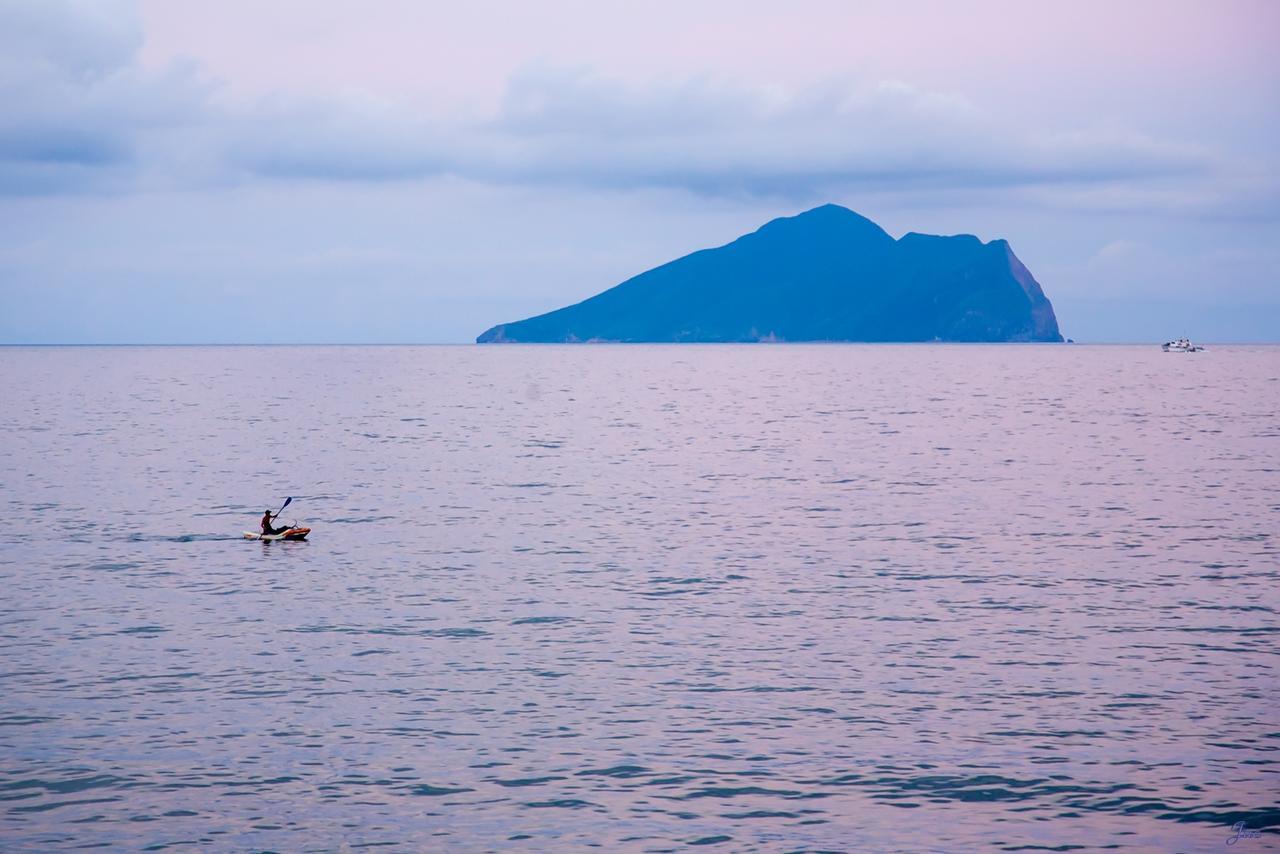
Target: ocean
{"type": "Point", "coordinates": [641, 598]}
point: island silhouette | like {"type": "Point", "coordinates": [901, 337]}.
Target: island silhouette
{"type": "Point", "coordinates": [828, 274]}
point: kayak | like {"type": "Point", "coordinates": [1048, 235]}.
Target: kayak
{"type": "Point", "coordinates": [290, 534]}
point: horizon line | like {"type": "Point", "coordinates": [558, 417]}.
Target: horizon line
{"type": "Point", "coordinates": [499, 345]}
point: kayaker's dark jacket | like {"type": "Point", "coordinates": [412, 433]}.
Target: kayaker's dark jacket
{"type": "Point", "coordinates": [267, 530]}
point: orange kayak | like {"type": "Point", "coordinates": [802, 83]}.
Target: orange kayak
{"type": "Point", "coordinates": [288, 534]}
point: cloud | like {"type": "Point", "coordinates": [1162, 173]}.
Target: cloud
{"type": "Point", "coordinates": [85, 38]}
{"type": "Point", "coordinates": [76, 112]}
{"type": "Point", "coordinates": [571, 127]}
{"type": "Point", "coordinates": [845, 134]}
{"type": "Point", "coordinates": [81, 114]}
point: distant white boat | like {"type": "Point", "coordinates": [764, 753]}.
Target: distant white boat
{"type": "Point", "coordinates": [1181, 345]}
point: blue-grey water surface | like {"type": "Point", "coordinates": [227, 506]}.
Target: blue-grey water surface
{"type": "Point", "coordinates": [856, 598]}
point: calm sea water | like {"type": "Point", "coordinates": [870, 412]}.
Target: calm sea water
{"type": "Point", "coordinates": [904, 598]}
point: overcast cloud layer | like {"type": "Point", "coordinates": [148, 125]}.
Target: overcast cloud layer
{"type": "Point", "coordinates": [160, 175]}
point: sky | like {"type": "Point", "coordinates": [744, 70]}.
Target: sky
{"type": "Point", "coordinates": [174, 171]}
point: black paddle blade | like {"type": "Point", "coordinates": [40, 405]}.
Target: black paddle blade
{"type": "Point", "coordinates": [287, 502]}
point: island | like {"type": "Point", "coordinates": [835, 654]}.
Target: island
{"type": "Point", "coordinates": [828, 274]}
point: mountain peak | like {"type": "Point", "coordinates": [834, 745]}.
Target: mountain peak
{"type": "Point", "coordinates": [829, 220]}
{"type": "Point", "coordinates": [829, 209]}
{"type": "Point", "coordinates": [829, 212]}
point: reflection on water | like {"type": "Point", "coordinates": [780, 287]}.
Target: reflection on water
{"type": "Point", "coordinates": [796, 597]}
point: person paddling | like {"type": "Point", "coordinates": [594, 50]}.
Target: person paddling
{"type": "Point", "coordinates": [267, 530]}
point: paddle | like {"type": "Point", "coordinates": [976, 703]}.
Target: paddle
{"type": "Point", "coordinates": [286, 503]}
